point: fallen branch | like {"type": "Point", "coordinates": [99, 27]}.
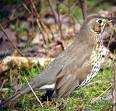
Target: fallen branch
{"type": "Point", "coordinates": [19, 61]}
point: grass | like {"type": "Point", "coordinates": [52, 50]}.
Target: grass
{"type": "Point", "coordinates": [80, 99]}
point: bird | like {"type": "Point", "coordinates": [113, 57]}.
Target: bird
{"type": "Point", "coordinates": [74, 67]}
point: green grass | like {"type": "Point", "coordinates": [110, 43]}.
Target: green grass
{"type": "Point", "coordinates": [80, 99]}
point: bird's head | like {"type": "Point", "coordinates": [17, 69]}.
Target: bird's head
{"type": "Point", "coordinates": [105, 31]}
{"type": "Point", "coordinates": [95, 29]}
{"type": "Point", "coordinates": [97, 25]}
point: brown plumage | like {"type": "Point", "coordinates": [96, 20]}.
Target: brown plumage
{"type": "Point", "coordinates": [72, 66]}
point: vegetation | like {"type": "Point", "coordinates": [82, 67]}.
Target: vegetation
{"type": "Point", "coordinates": [94, 97]}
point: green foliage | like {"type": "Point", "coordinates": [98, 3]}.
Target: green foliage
{"type": "Point", "coordinates": [30, 72]}
{"type": "Point", "coordinates": [80, 99]}
{"type": "Point", "coordinates": [77, 13]}
{"type": "Point", "coordinates": [98, 86]}
{"type": "Point", "coordinates": [19, 28]}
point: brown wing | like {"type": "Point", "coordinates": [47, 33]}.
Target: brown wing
{"type": "Point", "coordinates": [71, 77]}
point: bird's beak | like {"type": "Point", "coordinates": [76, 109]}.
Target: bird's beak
{"type": "Point", "coordinates": [106, 23]}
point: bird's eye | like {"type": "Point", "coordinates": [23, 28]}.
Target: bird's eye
{"type": "Point", "coordinates": [99, 21]}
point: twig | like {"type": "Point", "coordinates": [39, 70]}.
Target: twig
{"type": "Point", "coordinates": [76, 3]}
{"type": "Point", "coordinates": [2, 84]}
{"type": "Point", "coordinates": [114, 87]}
{"type": "Point", "coordinates": [53, 12]}
{"type": "Point", "coordinates": [55, 17]}
{"type": "Point", "coordinates": [98, 98]}
{"type": "Point", "coordinates": [69, 7]}
{"type": "Point", "coordinates": [25, 6]}
{"type": "Point", "coordinates": [35, 14]}
{"type": "Point", "coordinates": [10, 40]}
{"type": "Point", "coordinates": [114, 78]}
{"type": "Point", "coordinates": [34, 92]}
{"type": "Point", "coordinates": [59, 21]}
{"type": "Point", "coordinates": [43, 36]}
{"type": "Point", "coordinates": [83, 6]}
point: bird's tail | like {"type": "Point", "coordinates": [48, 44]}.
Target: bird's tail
{"type": "Point", "coordinates": [37, 82]}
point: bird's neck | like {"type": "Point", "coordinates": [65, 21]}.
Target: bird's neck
{"type": "Point", "coordinates": [86, 36]}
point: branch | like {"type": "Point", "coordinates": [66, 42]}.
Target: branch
{"type": "Point", "coordinates": [59, 20]}
{"type": "Point", "coordinates": [15, 47]}
{"type": "Point", "coordinates": [83, 6]}
{"type": "Point", "coordinates": [114, 87]}
{"type": "Point", "coordinates": [35, 14]}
